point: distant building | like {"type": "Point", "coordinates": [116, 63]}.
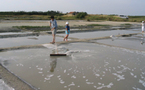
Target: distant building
{"type": "Point", "coordinates": [123, 16]}
{"type": "Point", "coordinates": [72, 13]}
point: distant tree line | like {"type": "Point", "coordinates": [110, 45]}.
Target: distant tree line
{"type": "Point", "coordinates": [57, 13]}
{"type": "Point", "coordinates": [81, 15]}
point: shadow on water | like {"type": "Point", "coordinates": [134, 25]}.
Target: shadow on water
{"type": "Point", "coordinates": [142, 41]}
{"type": "Point", "coordinates": [53, 63]}
{"type": "Point", "coordinates": [5, 62]}
{"type": "Point", "coordinates": [54, 59]}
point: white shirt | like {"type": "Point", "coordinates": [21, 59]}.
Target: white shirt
{"type": "Point", "coordinates": [142, 24]}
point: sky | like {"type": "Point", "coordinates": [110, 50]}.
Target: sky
{"type": "Point", "coordinates": [120, 7]}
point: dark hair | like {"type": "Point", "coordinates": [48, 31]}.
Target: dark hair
{"type": "Point", "coordinates": [52, 17]}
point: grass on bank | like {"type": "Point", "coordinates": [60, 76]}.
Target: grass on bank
{"type": "Point", "coordinates": [127, 24]}
{"type": "Point", "coordinates": [30, 27]}
{"type": "Point", "coordinates": [47, 28]}
{"type": "Point", "coordinates": [97, 25]}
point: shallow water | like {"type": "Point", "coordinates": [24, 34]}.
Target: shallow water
{"type": "Point", "coordinates": [11, 33]}
{"type": "Point", "coordinates": [31, 40]}
{"type": "Point", "coordinates": [88, 66]}
{"type": "Point", "coordinates": [134, 42]}
{"type": "Point", "coordinates": [95, 34]}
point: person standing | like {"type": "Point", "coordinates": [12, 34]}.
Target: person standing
{"type": "Point", "coordinates": [53, 27]}
{"type": "Point", "coordinates": [67, 31]}
{"type": "Point", "coordinates": [142, 26]}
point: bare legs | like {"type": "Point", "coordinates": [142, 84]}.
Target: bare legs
{"type": "Point", "coordinates": [66, 37]}
{"type": "Point", "coordinates": [53, 35]}
{"type": "Point", "coordinates": [142, 29]}
{"type": "Point", "coordinates": [53, 41]}
{"type": "Point", "coordinates": [53, 38]}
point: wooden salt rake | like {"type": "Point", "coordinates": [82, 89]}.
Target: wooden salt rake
{"type": "Point", "coordinates": [57, 53]}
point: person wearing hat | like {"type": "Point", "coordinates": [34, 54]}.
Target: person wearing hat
{"type": "Point", "coordinates": [67, 31]}
{"type": "Point", "coordinates": [142, 26]}
{"type": "Point", "coordinates": [53, 27]}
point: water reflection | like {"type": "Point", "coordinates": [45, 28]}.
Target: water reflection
{"type": "Point", "coordinates": [53, 61]}
{"type": "Point", "coordinates": [5, 62]}
{"type": "Point", "coordinates": [113, 37]}
{"type": "Point", "coordinates": [58, 50]}
{"type": "Point", "coordinates": [143, 41]}
{"type": "Point", "coordinates": [53, 64]}
{"type": "Point", "coordinates": [35, 37]}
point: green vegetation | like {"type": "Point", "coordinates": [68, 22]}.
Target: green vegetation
{"type": "Point", "coordinates": [81, 15]}
{"type": "Point", "coordinates": [65, 17]}
{"type": "Point", "coordinates": [47, 28]}
{"type": "Point", "coordinates": [38, 15]}
{"type": "Point", "coordinates": [127, 24]}
{"type": "Point", "coordinates": [114, 18]}
{"type": "Point", "coordinates": [24, 17]}
{"type": "Point", "coordinates": [30, 27]}
{"type": "Point", "coordinates": [98, 25]}
{"type": "Point", "coordinates": [33, 15]}
{"type": "Point", "coordinates": [136, 18]}
{"type": "Point", "coordinates": [33, 28]}
{"type": "Point", "coordinates": [104, 18]}
{"type": "Point", "coordinates": [57, 13]}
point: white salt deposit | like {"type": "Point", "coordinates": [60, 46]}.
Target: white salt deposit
{"type": "Point", "coordinates": [73, 76]}
{"type": "Point", "coordinates": [62, 82]}
{"type": "Point", "coordinates": [142, 82]}
{"type": "Point", "coordinates": [120, 77]}
{"type": "Point", "coordinates": [89, 82]}
{"type": "Point", "coordinates": [72, 84]}
{"type": "Point", "coordinates": [4, 86]}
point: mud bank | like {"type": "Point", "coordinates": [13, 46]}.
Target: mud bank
{"type": "Point", "coordinates": [21, 47]}
{"type": "Point", "coordinates": [14, 81]}
{"type": "Point", "coordinates": [19, 35]}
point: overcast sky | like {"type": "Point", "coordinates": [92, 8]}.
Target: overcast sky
{"type": "Point", "coordinates": [126, 7]}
